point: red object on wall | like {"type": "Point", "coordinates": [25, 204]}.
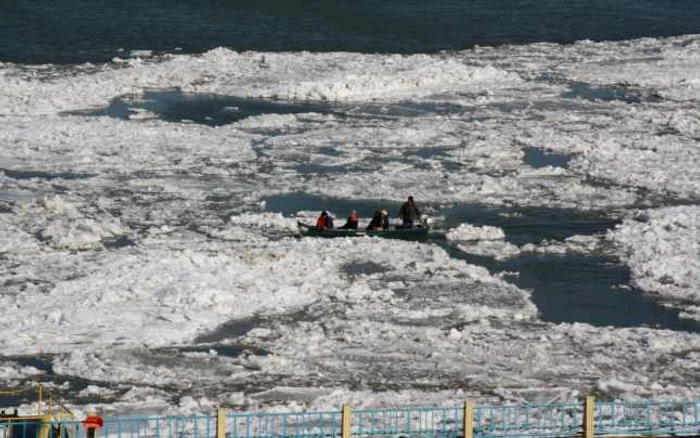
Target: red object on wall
{"type": "Point", "coordinates": [93, 422]}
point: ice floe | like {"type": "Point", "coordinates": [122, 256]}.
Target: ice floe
{"type": "Point", "coordinates": [137, 249]}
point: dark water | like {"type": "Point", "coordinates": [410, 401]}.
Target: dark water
{"type": "Point", "coordinates": [596, 293]}
{"type": "Point", "coordinates": [530, 224]}
{"type": "Point", "coordinates": [216, 110]}
{"type": "Point", "coordinates": [207, 109]}
{"type": "Point", "coordinates": [70, 31]}
{"type": "Point", "coordinates": [119, 242]}
{"type": "Point", "coordinates": [605, 93]}
{"type": "Point", "coordinates": [521, 224]}
{"type": "Point", "coordinates": [26, 390]}
{"type": "Point", "coordinates": [537, 157]}
{"type": "Point", "coordinates": [228, 330]}
{"type": "Point", "coordinates": [593, 289]}
{"type": "Point", "coordinates": [34, 174]}
{"type": "Point", "coordinates": [291, 203]}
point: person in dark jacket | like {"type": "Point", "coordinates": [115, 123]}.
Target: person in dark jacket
{"type": "Point", "coordinates": [409, 213]}
{"type": "Point", "coordinates": [380, 221]}
{"type": "Point", "coordinates": [352, 222]}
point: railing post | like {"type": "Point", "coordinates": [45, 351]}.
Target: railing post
{"type": "Point", "coordinates": [468, 423]}
{"type": "Point", "coordinates": [346, 421]}
{"type": "Point", "coordinates": [221, 423]}
{"type": "Point", "coordinates": [41, 395]}
{"type": "Point", "coordinates": [588, 417]}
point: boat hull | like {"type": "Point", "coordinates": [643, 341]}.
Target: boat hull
{"type": "Point", "coordinates": [418, 233]}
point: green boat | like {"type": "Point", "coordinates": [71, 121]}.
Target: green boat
{"type": "Point", "coordinates": [417, 233]}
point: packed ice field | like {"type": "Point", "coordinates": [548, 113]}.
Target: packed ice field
{"type": "Point", "coordinates": [144, 270]}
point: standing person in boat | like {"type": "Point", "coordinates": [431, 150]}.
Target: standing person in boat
{"type": "Point", "coordinates": [380, 221]}
{"type": "Point", "coordinates": [325, 220]}
{"type": "Point", "coordinates": [352, 222]}
{"type": "Point", "coordinates": [409, 213]}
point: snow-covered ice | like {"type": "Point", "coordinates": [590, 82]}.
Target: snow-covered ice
{"type": "Point", "coordinates": [137, 250]}
{"type": "Point", "coordinates": [662, 247]}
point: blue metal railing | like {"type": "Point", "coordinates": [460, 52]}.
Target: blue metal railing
{"type": "Point", "coordinates": [439, 422]}
{"type": "Point", "coordinates": [159, 427]}
{"type": "Point", "coordinates": [489, 421]}
{"type": "Point", "coordinates": [298, 425]}
{"type": "Point", "coordinates": [528, 420]}
{"type": "Point", "coordinates": [647, 417]}
{"type": "Point", "coordinates": [122, 427]}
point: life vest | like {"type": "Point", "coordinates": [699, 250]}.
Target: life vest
{"type": "Point", "coordinates": [354, 217]}
{"type": "Point", "coordinates": [322, 222]}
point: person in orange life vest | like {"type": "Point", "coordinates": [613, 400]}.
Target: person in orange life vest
{"type": "Point", "coordinates": [352, 222]}
{"type": "Point", "coordinates": [325, 220]}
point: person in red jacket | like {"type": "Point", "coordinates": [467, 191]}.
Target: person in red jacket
{"type": "Point", "coordinates": [325, 220]}
{"type": "Point", "coordinates": [352, 222]}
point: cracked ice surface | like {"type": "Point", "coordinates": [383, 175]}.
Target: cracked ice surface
{"type": "Point", "coordinates": [143, 270]}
